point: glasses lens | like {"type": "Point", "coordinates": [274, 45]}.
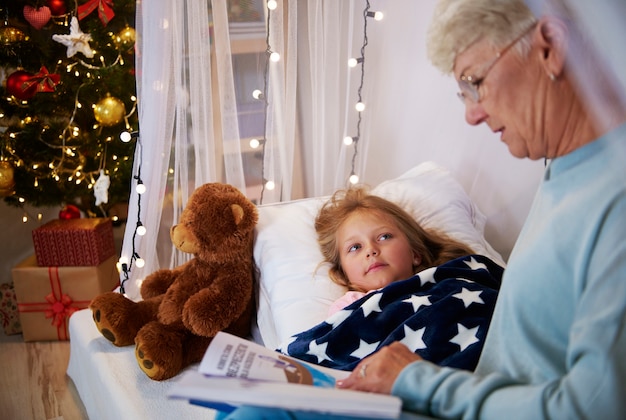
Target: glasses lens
{"type": "Point", "coordinates": [468, 91]}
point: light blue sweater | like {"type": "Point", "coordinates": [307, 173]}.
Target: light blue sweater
{"type": "Point", "coordinates": [556, 347]}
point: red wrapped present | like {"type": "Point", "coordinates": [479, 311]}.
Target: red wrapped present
{"type": "Point", "coordinates": [74, 242]}
{"type": "Point", "coordinates": [48, 296]}
{"type": "Point", "coordinates": [8, 310]}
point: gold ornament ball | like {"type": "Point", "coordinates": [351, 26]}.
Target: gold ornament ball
{"type": "Point", "coordinates": [125, 39]}
{"type": "Point", "coordinates": [9, 35]}
{"type": "Point", "coordinates": [109, 111]}
{"type": "Point", "coordinates": [7, 180]}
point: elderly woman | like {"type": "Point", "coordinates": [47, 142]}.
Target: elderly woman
{"type": "Point", "coordinates": [557, 342]}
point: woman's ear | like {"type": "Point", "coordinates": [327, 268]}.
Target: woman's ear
{"type": "Point", "coordinates": [417, 259]}
{"type": "Point", "coordinates": [551, 38]}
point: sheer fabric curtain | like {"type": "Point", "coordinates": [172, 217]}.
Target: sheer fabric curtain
{"type": "Point", "coordinates": [191, 122]}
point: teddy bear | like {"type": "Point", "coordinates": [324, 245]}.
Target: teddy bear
{"type": "Point", "coordinates": [183, 308]}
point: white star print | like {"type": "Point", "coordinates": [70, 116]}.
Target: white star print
{"type": "Point", "coordinates": [475, 265]}
{"type": "Point", "coordinates": [319, 351]}
{"type": "Point", "coordinates": [76, 41]}
{"type": "Point", "coordinates": [427, 276]}
{"type": "Point", "coordinates": [468, 297]}
{"type": "Point", "coordinates": [465, 337]}
{"type": "Point", "coordinates": [418, 301]}
{"type": "Point", "coordinates": [365, 349]}
{"type": "Point", "coordinates": [372, 304]}
{"type": "Point", "coordinates": [413, 339]}
{"type": "Point", "coordinates": [338, 317]}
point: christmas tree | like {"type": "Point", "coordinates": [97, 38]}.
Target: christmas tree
{"type": "Point", "coordinates": [68, 92]}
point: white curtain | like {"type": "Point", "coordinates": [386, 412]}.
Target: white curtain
{"type": "Point", "coordinates": [192, 110]}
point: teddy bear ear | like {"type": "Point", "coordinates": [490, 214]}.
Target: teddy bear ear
{"type": "Point", "coordinates": [238, 213]}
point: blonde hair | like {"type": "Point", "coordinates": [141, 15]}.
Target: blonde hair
{"type": "Point", "coordinates": [457, 24]}
{"type": "Point", "coordinates": [434, 247]}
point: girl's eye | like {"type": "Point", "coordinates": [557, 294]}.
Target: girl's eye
{"type": "Point", "coordinates": [354, 247]}
{"type": "Point", "coordinates": [385, 236]}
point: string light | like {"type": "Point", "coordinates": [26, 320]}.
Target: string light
{"type": "Point", "coordinates": [353, 62]}
{"type": "Point", "coordinates": [375, 15]}
{"type": "Point", "coordinates": [272, 57]}
{"type": "Point", "coordinates": [124, 263]}
{"type": "Point", "coordinates": [255, 143]}
{"type": "Point", "coordinates": [360, 105]}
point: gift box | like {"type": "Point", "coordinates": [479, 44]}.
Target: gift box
{"type": "Point", "coordinates": [74, 242]}
{"type": "Point", "coordinates": [48, 296]}
{"type": "Point", "coordinates": [8, 310]}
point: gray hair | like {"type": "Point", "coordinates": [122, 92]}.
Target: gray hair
{"type": "Point", "coordinates": [457, 24]}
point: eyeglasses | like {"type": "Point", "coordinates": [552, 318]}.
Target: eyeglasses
{"type": "Point", "coordinates": [470, 85]}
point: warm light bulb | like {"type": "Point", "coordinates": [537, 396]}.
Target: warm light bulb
{"type": "Point", "coordinates": [141, 188]}
{"type": "Point", "coordinates": [274, 57]}
{"type": "Point", "coordinates": [140, 262]}
{"type": "Point", "coordinates": [352, 62]}
{"type": "Point", "coordinates": [272, 4]}
{"type": "Point", "coordinates": [125, 136]}
{"type": "Point", "coordinates": [360, 106]}
{"type": "Point", "coordinates": [257, 94]}
{"type": "Point", "coordinates": [270, 185]}
{"type": "Point", "coordinates": [354, 179]}
{"type": "Point", "coordinates": [254, 143]}
{"type": "Point", "coordinates": [141, 230]}
{"type": "Point", "coordinates": [348, 140]}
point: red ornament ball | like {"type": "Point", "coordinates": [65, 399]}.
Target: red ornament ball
{"type": "Point", "coordinates": [57, 7]}
{"type": "Point", "coordinates": [15, 85]}
{"type": "Point", "coordinates": [68, 212]}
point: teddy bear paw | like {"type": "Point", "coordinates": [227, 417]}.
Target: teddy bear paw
{"type": "Point", "coordinates": [106, 312]}
{"type": "Point", "coordinates": [158, 351]}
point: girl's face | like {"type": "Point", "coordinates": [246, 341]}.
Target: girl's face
{"type": "Point", "coordinates": [373, 252]}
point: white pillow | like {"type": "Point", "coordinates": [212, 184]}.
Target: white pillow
{"type": "Point", "coordinates": [294, 289]}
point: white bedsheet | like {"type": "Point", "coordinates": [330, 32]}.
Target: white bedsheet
{"type": "Point", "coordinates": [111, 385]}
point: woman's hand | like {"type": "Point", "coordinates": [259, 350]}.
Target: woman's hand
{"type": "Point", "coordinates": [378, 372]}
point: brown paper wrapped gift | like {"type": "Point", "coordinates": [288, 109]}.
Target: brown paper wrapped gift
{"type": "Point", "coordinates": [48, 296]}
{"type": "Point", "coordinates": [74, 242]}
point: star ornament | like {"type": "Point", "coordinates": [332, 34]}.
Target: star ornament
{"type": "Point", "coordinates": [76, 42]}
{"type": "Point", "coordinates": [101, 188]}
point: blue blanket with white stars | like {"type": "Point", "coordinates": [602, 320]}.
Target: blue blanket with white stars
{"type": "Point", "coordinates": [441, 313]}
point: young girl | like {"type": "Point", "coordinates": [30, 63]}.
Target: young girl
{"type": "Point", "coordinates": [372, 242]}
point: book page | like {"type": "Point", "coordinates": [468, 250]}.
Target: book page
{"type": "Point", "coordinates": [233, 356]}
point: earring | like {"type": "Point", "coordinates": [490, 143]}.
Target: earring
{"type": "Point", "coordinates": [552, 77]}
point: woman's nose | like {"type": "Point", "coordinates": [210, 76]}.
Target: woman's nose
{"type": "Point", "coordinates": [474, 113]}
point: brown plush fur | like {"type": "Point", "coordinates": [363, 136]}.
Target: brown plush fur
{"type": "Point", "coordinates": [184, 308]}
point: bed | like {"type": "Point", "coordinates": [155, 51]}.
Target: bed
{"type": "Point", "coordinates": [294, 292]}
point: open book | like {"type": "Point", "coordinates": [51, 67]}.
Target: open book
{"type": "Point", "coordinates": [235, 371]}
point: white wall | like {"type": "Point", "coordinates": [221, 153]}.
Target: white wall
{"type": "Point", "coordinates": [413, 115]}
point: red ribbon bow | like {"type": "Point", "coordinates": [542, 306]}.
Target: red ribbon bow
{"type": "Point", "coordinates": [60, 309]}
{"type": "Point", "coordinates": [46, 82]}
{"type": "Point", "coordinates": [105, 10]}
